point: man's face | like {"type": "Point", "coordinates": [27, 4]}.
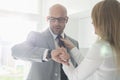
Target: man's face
{"type": "Point", "coordinates": [57, 21]}
{"type": "Point", "coordinates": [57, 24]}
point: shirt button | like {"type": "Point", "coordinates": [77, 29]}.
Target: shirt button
{"type": "Point", "coordinates": [56, 74]}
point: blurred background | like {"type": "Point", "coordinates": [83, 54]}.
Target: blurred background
{"type": "Point", "coordinates": [19, 17]}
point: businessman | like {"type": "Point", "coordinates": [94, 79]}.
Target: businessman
{"type": "Point", "coordinates": [38, 47]}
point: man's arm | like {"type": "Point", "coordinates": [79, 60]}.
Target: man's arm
{"type": "Point", "coordinates": [28, 49]}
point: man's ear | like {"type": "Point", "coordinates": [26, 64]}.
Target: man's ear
{"type": "Point", "coordinates": [47, 18]}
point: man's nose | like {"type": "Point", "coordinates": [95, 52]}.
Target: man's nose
{"type": "Point", "coordinates": [56, 21]}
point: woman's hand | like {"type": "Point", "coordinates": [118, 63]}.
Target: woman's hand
{"type": "Point", "coordinates": [68, 43]}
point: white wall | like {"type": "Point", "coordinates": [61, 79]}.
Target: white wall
{"type": "Point", "coordinates": [72, 28]}
{"type": "Point", "coordinates": [86, 32]}
{"type": "Point", "coordinates": [83, 30]}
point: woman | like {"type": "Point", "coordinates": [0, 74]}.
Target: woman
{"type": "Point", "coordinates": [102, 61]}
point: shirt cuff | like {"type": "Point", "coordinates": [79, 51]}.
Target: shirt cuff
{"type": "Point", "coordinates": [74, 50]}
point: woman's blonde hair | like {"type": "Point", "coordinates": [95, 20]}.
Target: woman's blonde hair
{"type": "Point", "coordinates": [106, 18]}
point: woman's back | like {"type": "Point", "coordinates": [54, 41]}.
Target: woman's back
{"type": "Point", "coordinates": [98, 64]}
{"type": "Point", "coordinates": [107, 70]}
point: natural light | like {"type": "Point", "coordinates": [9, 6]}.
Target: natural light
{"type": "Point", "coordinates": [16, 22]}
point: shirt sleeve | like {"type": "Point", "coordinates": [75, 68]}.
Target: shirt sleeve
{"type": "Point", "coordinates": [77, 55]}
{"type": "Point", "coordinates": [87, 66]}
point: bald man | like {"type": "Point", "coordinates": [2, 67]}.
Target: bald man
{"type": "Point", "coordinates": [38, 47]}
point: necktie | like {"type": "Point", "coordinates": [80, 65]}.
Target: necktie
{"type": "Point", "coordinates": [61, 44]}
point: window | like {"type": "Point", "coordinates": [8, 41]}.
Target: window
{"type": "Point", "coordinates": [17, 19]}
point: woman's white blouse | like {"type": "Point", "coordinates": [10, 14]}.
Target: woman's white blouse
{"type": "Point", "coordinates": [98, 64]}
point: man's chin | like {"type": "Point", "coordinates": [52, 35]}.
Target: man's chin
{"type": "Point", "coordinates": [57, 33]}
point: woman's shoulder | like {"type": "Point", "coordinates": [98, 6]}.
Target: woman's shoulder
{"type": "Point", "coordinates": [103, 47]}
{"type": "Point", "coordinates": [102, 43]}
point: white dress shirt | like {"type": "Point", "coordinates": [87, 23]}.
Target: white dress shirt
{"type": "Point", "coordinates": [98, 64]}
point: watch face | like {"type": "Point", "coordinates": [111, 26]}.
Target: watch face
{"type": "Point", "coordinates": [49, 54]}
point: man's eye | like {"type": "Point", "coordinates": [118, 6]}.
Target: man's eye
{"type": "Point", "coordinates": [52, 19]}
{"type": "Point", "coordinates": [61, 19]}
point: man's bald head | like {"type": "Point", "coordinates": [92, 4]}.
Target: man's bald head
{"type": "Point", "coordinates": [57, 18]}
{"type": "Point", "coordinates": [57, 10]}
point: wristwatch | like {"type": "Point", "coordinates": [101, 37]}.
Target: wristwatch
{"type": "Point", "coordinates": [49, 54]}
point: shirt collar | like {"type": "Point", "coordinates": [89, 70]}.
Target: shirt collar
{"type": "Point", "coordinates": [54, 35]}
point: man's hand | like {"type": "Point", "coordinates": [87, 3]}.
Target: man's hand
{"type": "Point", "coordinates": [60, 55]}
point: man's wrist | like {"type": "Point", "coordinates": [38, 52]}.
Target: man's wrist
{"type": "Point", "coordinates": [49, 54]}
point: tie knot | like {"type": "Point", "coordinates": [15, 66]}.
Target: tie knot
{"type": "Point", "coordinates": [59, 36]}
{"type": "Point", "coordinates": [60, 42]}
